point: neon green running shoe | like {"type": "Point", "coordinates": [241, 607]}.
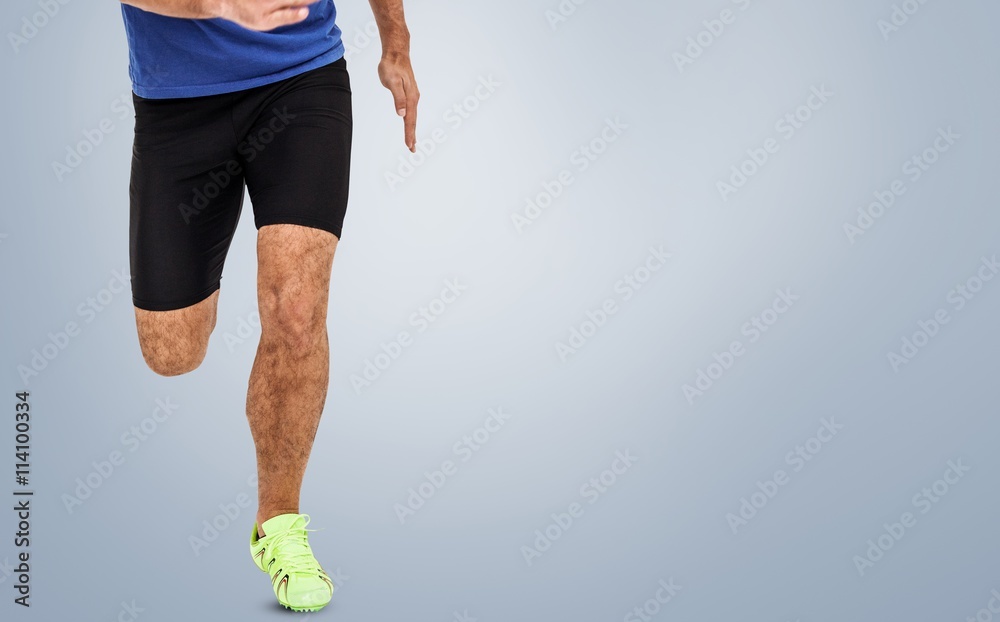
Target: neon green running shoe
{"type": "Point", "coordinates": [299, 582]}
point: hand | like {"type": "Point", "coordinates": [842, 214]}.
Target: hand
{"type": "Point", "coordinates": [264, 15]}
{"type": "Point", "coordinates": [396, 74]}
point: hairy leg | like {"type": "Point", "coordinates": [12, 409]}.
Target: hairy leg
{"type": "Point", "coordinates": [290, 376]}
{"type": "Point", "coordinates": [175, 342]}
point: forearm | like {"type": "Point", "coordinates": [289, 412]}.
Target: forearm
{"type": "Point", "coordinates": [391, 27]}
{"type": "Point", "coordinates": [190, 9]}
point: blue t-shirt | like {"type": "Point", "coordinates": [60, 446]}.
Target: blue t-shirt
{"type": "Point", "coordinates": [171, 57]}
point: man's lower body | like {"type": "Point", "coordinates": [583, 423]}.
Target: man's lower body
{"type": "Point", "coordinates": [289, 143]}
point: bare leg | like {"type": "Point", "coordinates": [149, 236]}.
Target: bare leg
{"type": "Point", "coordinates": [175, 342]}
{"type": "Point", "coordinates": [288, 383]}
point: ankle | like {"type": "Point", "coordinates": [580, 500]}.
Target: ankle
{"type": "Point", "coordinates": [266, 514]}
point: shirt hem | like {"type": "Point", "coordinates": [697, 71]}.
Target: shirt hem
{"type": "Point", "coordinates": [204, 90]}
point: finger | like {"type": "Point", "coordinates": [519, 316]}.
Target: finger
{"type": "Point", "coordinates": [285, 17]}
{"type": "Point", "coordinates": [410, 124]}
{"type": "Point", "coordinates": [275, 5]}
{"type": "Point", "coordinates": [395, 86]}
{"type": "Point", "coordinates": [410, 121]}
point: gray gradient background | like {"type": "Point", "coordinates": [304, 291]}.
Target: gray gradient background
{"type": "Point", "coordinates": [666, 516]}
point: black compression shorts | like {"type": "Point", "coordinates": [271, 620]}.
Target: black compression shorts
{"type": "Point", "coordinates": [288, 142]}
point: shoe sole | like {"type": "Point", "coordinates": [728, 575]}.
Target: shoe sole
{"type": "Point", "coordinates": [302, 609]}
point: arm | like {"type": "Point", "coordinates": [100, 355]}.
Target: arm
{"type": "Point", "coordinates": [252, 14]}
{"type": "Point", "coordinates": [395, 70]}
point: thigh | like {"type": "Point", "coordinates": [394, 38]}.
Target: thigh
{"type": "Point", "coordinates": [293, 272]}
{"type": "Point", "coordinates": [177, 333]}
{"type": "Point", "coordinates": [297, 147]}
{"type": "Point", "coordinates": [185, 195]}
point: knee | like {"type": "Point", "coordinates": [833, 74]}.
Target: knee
{"type": "Point", "coordinates": [297, 321]}
{"type": "Point", "coordinates": [175, 342]}
{"type": "Point", "coordinates": [173, 348]}
{"type": "Point", "coordinates": [172, 359]}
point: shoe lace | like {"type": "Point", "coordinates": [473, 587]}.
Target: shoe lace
{"type": "Point", "coordinates": [296, 556]}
